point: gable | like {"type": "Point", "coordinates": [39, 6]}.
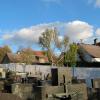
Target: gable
{"type": "Point", "coordinates": [6, 60]}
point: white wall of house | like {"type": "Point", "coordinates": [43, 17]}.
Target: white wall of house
{"type": "Point", "coordinates": [96, 59]}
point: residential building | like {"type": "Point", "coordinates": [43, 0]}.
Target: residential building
{"type": "Point", "coordinates": [89, 55]}
{"type": "Point", "coordinates": [38, 58]}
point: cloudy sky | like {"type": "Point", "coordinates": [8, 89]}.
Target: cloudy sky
{"type": "Point", "coordinates": [23, 21]}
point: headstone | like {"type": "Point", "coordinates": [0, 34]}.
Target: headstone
{"type": "Point", "coordinates": [66, 72]}
{"type": "Point", "coordinates": [96, 83]}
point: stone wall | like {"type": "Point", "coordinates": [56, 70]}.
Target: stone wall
{"type": "Point", "coordinates": [45, 92]}
{"type": "Point", "coordinates": [24, 91]}
{"type": "Point", "coordinates": [2, 73]}
{"type": "Point", "coordinates": [77, 91]}
{"type": "Point", "coordinates": [96, 83]}
{"type": "Point", "coordinates": [66, 72]}
{"type": "Point", "coordinates": [1, 86]}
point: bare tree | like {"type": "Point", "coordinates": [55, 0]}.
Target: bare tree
{"type": "Point", "coordinates": [50, 42]}
{"type": "Point", "coordinates": [27, 57]}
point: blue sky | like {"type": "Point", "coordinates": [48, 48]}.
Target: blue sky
{"type": "Point", "coordinates": [16, 14]}
{"type": "Point", "coordinates": [20, 19]}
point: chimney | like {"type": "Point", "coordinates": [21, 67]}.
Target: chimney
{"type": "Point", "coordinates": [95, 41]}
{"type": "Point", "coordinates": [81, 40]}
{"type": "Point", "coordinates": [18, 52]}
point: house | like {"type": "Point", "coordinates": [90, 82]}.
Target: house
{"type": "Point", "coordinates": [89, 55]}
{"type": "Point", "coordinates": [11, 58]}
{"type": "Point", "coordinates": [40, 58]}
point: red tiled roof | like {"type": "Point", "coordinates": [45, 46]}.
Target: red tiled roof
{"type": "Point", "coordinates": [39, 53]}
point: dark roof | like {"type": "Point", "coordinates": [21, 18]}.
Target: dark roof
{"type": "Point", "coordinates": [14, 57]}
{"type": "Point", "coordinates": [8, 96]}
{"type": "Point", "coordinates": [92, 50]}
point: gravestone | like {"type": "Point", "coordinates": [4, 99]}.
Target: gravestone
{"type": "Point", "coordinates": [64, 71]}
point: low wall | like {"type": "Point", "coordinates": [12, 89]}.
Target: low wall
{"type": "Point", "coordinates": [24, 91]}
{"type": "Point", "coordinates": [80, 73]}
{"type": "Point", "coordinates": [77, 91]}
{"type": "Point", "coordinates": [44, 92]}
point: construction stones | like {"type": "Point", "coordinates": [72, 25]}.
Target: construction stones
{"type": "Point", "coordinates": [77, 91]}
{"type": "Point", "coordinates": [45, 92]}
{"type": "Point", "coordinates": [24, 91]}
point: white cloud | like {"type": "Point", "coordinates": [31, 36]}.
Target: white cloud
{"type": "Point", "coordinates": [7, 36]}
{"type": "Point", "coordinates": [98, 31]}
{"type": "Point", "coordinates": [97, 3]}
{"type": "Point", "coordinates": [27, 36]}
{"type": "Point", "coordinates": [77, 30]}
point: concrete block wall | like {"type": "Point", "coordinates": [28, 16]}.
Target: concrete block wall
{"type": "Point", "coordinates": [78, 91]}
{"type": "Point", "coordinates": [24, 91]}
{"type": "Point", "coordinates": [1, 86]}
{"type": "Point", "coordinates": [64, 71]}
{"type": "Point", "coordinates": [45, 92]}
{"type": "Point", "coordinates": [96, 83]}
